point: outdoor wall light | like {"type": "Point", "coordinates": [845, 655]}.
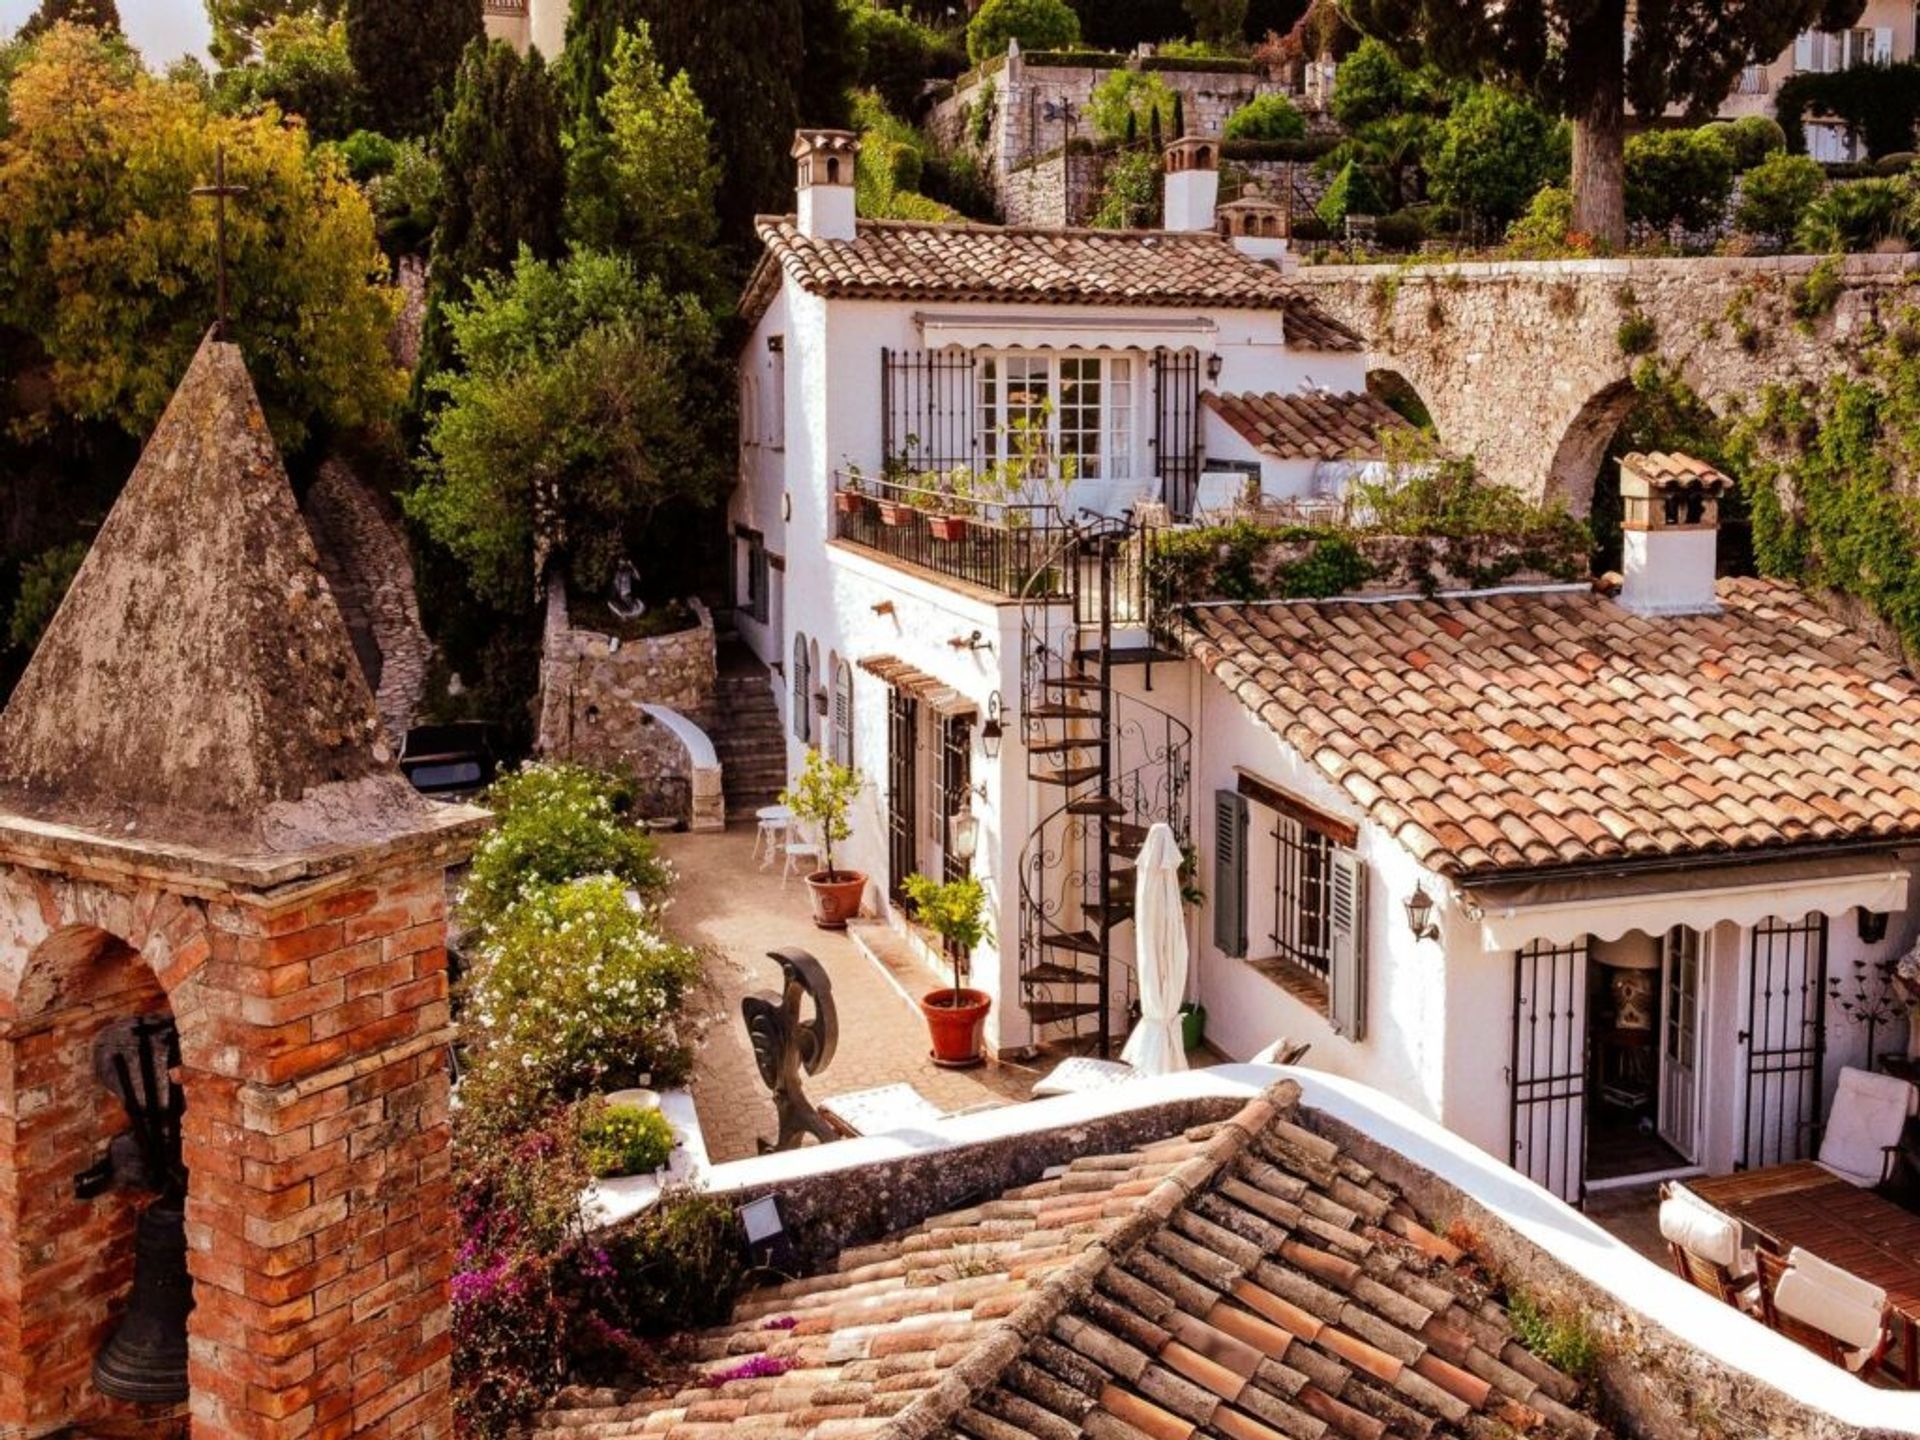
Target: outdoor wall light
{"type": "Point", "coordinates": [1420, 915]}
{"type": "Point", "coordinates": [963, 834]}
{"type": "Point", "coordinates": [1215, 364]}
{"type": "Point", "coordinates": [1872, 925]}
{"type": "Point", "coordinates": [992, 730]}
{"type": "Point", "coordinates": [974, 641]}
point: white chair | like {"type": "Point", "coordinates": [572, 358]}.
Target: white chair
{"type": "Point", "coordinates": [798, 848]}
{"type": "Point", "coordinates": [1825, 1308]}
{"type": "Point", "coordinates": [1870, 1113]}
{"type": "Point", "coordinates": [1705, 1246]}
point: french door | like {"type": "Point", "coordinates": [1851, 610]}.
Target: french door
{"type": "Point", "coordinates": [1548, 1135]}
{"type": "Point", "coordinates": [903, 743]}
{"type": "Point", "coordinates": [1786, 1040]}
{"type": "Point", "coordinates": [1680, 962]}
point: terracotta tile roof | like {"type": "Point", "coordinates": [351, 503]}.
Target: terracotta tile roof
{"type": "Point", "coordinates": [901, 260]}
{"type": "Point", "coordinates": [1247, 1279]}
{"type": "Point", "coordinates": [1310, 425]}
{"type": "Point", "coordinates": [1517, 729]}
{"type": "Point", "coordinates": [1677, 469]}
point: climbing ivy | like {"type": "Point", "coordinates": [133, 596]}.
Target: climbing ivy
{"type": "Point", "coordinates": [1829, 473]}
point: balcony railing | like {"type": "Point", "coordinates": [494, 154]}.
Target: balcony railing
{"type": "Point", "coordinates": [994, 545]}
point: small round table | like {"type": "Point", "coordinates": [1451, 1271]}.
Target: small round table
{"type": "Point", "coordinates": [774, 822]}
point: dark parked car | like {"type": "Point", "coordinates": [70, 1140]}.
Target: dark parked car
{"type": "Point", "coordinates": [453, 762]}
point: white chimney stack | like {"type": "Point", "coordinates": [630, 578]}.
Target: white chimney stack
{"type": "Point", "coordinates": [1193, 183]}
{"type": "Point", "coordinates": [1669, 533]}
{"type": "Point", "coordinates": [826, 169]}
{"type": "Point", "coordinates": [1258, 226]}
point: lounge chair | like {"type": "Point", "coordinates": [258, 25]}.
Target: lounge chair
{"type": "Point", "coordinates": [1869, 1115]}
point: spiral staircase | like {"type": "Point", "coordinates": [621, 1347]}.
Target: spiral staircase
{"type": "Point", "coordinates": [1104, 763]}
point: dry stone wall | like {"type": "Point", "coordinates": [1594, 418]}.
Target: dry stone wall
{"type": "Point", "coordinates": [1523, 366]}
{"type": "Point", "coordinates": [594, 690]}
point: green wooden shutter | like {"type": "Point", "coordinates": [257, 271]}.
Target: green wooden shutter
{"type": "Point", "coordinates": [1347, 974]}
{"type": "Point", "coordinates": [1230, 872]}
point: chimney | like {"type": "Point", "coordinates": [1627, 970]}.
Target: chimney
{"type": "Point", "coordinates": [826, 160]}
{"type": "Point", "coordinates": [1193, 183]}
{"type": "Point", "coordinates": [1670, 525]}
{"type": "Point", "coordinates": [1257, 225]}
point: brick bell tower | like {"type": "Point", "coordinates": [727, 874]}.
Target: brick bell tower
{"type": "Point", "coordinates": [203, 834]}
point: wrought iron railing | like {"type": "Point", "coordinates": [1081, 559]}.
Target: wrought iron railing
{"type": "Point", "coordinates": [1006, 548]}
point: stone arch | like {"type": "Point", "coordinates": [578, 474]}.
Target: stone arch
{"type": "Point", "coordinates": [1393, 389]}
{"type": "Point", "coordinates": [1583, 442]}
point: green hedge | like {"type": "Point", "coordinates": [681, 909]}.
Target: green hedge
{"type": "Point", "coordinates": [1075, 59]}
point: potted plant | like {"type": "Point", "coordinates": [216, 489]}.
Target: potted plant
{"type": "Point", "coordinates": [955, 911]}
{"type": "Point", "coordinates": [850, 496]}
{"type": "Point", "coordinates": [950, 503]}
{"type": "Point", "coordinates": [821, 796]}
{"type": "Point", "coordinates": [894, 510]}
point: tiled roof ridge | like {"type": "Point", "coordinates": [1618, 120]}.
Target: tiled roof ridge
{"type": "Point", "coordinates": [976, 227]}
{"type": "Point", "coordinates": [931, 1412]}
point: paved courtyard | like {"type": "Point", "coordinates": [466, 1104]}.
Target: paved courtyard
{"type": "Point", "coordinates": [726, 901]}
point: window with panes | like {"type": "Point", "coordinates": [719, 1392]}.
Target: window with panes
{"type": "Point", "coordinates": [1085, 401]}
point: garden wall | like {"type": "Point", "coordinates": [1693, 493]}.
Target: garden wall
{"type": "Point", "coordinates": [594, 690]}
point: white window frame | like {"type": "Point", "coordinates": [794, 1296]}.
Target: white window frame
{"type": "Point", "coordinates": [1107, 448]}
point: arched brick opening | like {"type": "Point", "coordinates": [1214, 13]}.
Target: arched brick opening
{"type": "Point", "coordinates": [1399, 394]}
{"type": "Point", "coordinates": [68, 1255]}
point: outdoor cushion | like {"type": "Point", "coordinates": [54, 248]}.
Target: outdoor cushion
{"type": "Point", "coordinates": [1699, 1229]}
{"type": "Point", "coordinates": [1869, 1112]}
{"type": "Point", "coordinates": [1834, 1302]}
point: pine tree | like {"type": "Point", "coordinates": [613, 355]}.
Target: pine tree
{"type": "Point", "coordinates": [102, 15]}
{"type": "Point", "coordinates": [504, 180]}
{"type": "Point", "coordinates": [407, 56]}
{"type": "Point", "coordinates": [1586, 60]}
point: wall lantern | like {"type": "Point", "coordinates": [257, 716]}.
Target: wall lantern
{"type": "Point", "coordinates": [1215, 364]}
{"type": "Point", "coordinates": [970, 642]}
{"type": "Point", "coordinates": [963, 834]}
{"type": "Point", "coordinates": [1420, 915]}
{"type": "Point", "coordinates": [1872, 925]}
{"type": "Point", "coordinates": [992, 730]}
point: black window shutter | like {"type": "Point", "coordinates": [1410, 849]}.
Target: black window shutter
{"type": "Point", "coordinates": [1230, 872]}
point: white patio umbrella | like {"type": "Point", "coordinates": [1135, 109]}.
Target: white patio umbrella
{"type": "Point", "coordinates": [1160, 936]}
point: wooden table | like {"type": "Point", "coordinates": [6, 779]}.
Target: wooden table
{"type": "Point", "coordinates": [1801, 1204]}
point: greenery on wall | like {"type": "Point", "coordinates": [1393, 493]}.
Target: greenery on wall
{"type": "Point", "coordinates": [1829, 473]}
{"type": "Point", "coordinates": [1879, 103]}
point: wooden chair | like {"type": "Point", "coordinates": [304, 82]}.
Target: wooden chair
{"type": "Point", "coordinates": [1772, 1268]}
{"type": "Point", "coordinates": [1706, 1272]}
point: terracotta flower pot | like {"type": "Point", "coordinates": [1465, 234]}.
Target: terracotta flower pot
{"type": "Point", "coordinates": [948, 527]}
{"type": "Point", "coordinates": [849, 502]}
{"type": "Point", "coordinates": [836, 897]}
{"type": "Point", "coordinates": [955, 1019]}
{"type": "Point", "coordinates": [894, 512]}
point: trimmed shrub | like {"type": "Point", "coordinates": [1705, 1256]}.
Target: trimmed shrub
{"type": "Point", "coordinates": [626, 1140]}
{"type": "Point", "coordinates": [1679, 177]}
{"type": "Point", "coordinates": [1754, 138]}
{"type": "Point", "coordinates": [1036, 24]}
{"type": "Point", "coordinates": [554, 823]}
{"type": "Point", "coordinates": [1493, 152]}
{"type": "Point", "coordinates": [1775, 194]}
{"type": "Point", "coordinates": [1268, 117]}
{"type": "Point", "coordinates": [1352, 193]}
{"type": "Point", "coordinates": [1402, 230]}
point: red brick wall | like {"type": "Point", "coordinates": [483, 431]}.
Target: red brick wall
{"type": "Point", "coordinates": [319, 1206]}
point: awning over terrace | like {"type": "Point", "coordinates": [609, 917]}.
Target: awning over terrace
{"type": "Point", "coordinates": [942, 697]}
{"type": "Point", "coordinates": [1606, 906]}
{"type": "Point", "coordinates": [1065, 332]}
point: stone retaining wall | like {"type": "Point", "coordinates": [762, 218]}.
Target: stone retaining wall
{"type": "Point", "coordinates": [594, 689]}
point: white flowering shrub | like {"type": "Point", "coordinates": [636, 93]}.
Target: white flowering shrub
{"type": "Point", "coordinates": [575, 990]}
{"type": "Point", "coordinates": [555, 823]}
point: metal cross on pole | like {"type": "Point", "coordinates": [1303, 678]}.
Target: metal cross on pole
{"type": "Point", "coordinates": [220, 190]}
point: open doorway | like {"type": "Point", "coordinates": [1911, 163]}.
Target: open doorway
{"type": "Point", "coordinates": [1644, 997]}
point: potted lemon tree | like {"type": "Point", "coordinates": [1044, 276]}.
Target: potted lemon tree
{"type": "Point", "coordinates": [821, 796]}
{"type": "Point", "coordinates": [955, 911]}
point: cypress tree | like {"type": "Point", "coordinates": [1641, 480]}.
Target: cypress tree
{"type": "Point", "coordinates": [1179, 114]}
{"type": "Point", "coordinates": [504, 180]}
{"type": "Point", "coordinates": [1154, 142]}
{"type": "Point", "coordinates": [407, 55]}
